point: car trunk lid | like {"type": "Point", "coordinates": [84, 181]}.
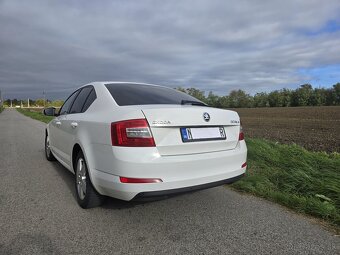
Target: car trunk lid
{"type": "Point", "coordinates": [172, 127]}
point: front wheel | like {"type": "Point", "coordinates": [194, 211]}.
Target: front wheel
{"type": "Point", "coordinates": [87, 196]}
{"type": "Point", "coordinates": [48, 153]}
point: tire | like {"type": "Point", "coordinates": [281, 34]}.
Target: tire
{"type": "Point", "coordinates": [87, 196]}
{"type": "Point", "coordinates": [48, 153]}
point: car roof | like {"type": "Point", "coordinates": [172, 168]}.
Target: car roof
{"type": "Point", "coordinates": [103, 83]}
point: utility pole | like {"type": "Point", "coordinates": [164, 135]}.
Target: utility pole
{"type": "Point", "coordinates": [44, 98]}
{"type": "Point", "coordinates": [11, 104]}
{"type": "Point", "coordinates": [28, 103]}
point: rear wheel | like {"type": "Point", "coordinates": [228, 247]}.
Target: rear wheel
{"type": "Point", "coordinates": [48, 152]}
{"type": "Point", "coordinates": [87, 196]}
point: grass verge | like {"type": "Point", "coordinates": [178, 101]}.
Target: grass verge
{"type": "Point", "coordinates": [308, 182]}
{"type": "Point", "coordinates": [35, 115]}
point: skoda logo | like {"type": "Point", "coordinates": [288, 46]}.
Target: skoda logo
{"type": "Point", "coordinates": [206, 116]}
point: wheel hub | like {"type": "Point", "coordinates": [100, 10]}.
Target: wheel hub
{"type": "Point", "coordinates": [48, 148]}
{"type": "Point", "coordinates": [81, 178]}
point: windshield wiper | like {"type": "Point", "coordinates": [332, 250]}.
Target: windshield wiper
{"type": "Point", "coordinates": [191, 102]}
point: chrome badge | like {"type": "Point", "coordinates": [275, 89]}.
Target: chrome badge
{"type": "Point", "coordinates": [206, 116]}
{"type": "Point", "coordinates": [161, 122]}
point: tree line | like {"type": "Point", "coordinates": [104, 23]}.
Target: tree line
{"type": "Point", "coordinates": [305, 95]}
{"type": "Point", "coordinates": [33, 103]}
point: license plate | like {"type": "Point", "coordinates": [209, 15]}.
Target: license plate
{"type": "Point", "coordinates": [202, 134]}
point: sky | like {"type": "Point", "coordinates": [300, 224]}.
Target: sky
{"type": "Point", "coordinates": [212, 45]}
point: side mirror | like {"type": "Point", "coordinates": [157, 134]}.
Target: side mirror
{"type": "Point", "coordinates": [50, 111]}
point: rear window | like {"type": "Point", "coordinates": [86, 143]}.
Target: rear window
{"type": "Point", "coordinates": [138, 94]}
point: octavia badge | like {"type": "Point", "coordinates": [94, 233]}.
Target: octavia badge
{"type": "Point", "coordinates": [206, 116]}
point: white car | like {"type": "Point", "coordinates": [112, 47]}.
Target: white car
{"type": "Point", "coordinates": [134, 141]}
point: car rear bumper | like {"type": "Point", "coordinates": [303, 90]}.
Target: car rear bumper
{"type": "Point", "coordinates": [109, 185]}
{"type": "Point", "coordinates": [178, 173]}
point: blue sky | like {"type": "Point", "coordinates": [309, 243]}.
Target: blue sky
{"type": "Point", "coordinates": [331, 26]}
{"type": "Point", "coordinates": [321, 76]}
{"type": "Point", "coordinates": [214, 45]}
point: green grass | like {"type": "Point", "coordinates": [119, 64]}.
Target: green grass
{"type": "Point", "coordinates": [35, 115]}
{"type": "Point", "coordinates": [308, 182]}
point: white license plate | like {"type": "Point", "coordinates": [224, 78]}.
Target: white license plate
{"type": "Point", "coordinates": [202, 134]}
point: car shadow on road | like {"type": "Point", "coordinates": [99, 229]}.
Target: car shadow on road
{"type": "Point", "coordinates": [112, 203]}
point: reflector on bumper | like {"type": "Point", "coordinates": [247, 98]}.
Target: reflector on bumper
{"type": "Point", "coordinates": [139, 180]}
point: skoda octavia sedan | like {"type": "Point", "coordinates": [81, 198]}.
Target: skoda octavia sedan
{"type": "Point", "coordinates": [134, 141]}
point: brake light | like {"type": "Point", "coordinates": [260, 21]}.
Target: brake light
{"type": "Point", "coordinates": [132, 133]}
{"type": "Point", "coordinates": [244, 165]}
{"type": "Point", "coordinates": [241, 135]}
{"type": "Point", "coordinates": [139, 180]}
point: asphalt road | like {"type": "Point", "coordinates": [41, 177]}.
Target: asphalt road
{"type": "Point", "coordinates": [39, 213]}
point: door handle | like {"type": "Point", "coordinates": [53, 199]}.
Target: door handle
{"type": "Point", "coordinates": [74, 124]}
{"type": "Point", "coordinates": [58, 123]}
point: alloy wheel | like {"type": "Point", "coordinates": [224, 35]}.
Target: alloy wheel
{"type": "Point", "coordinates": [81, 178]}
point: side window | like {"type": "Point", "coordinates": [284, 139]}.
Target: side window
{"type": "Point", "coordinates": [90, 99]}
{"type": "Point", "coordinates": [80, 100]}
{"type": "Point", "coordinates": [66, 106]}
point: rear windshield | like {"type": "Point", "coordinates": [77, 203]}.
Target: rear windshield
{"type": "Point", "coordinates": [138, 94]}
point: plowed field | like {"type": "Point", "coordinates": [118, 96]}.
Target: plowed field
{"type": "Point", "coordinates": [315, 128]}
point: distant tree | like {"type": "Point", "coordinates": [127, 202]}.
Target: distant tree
{"type": "Point", "coordinates": [182, 89]}
{"type": "Point", "coordinates": [56, 103]}
{"type": "Point", "coordinates": [213, 100]}
{"type": "Point", "coordinates": [336, 89]}
{"type": "Point", "coordinates": [329, 94]}
{"type": "Point", "coordinates": [261, 100]}
{"type": "Point", "coordinates": [232, 99]}
{"type": "Point", "coordinates": [7, 102]}
{"type": "Point", "coordinates": [199, 94]}
{"type": "Point", "coordinates": [286, 97]}
{"type": "Point", "coordinates": [223, 102]}
{"type": "Point", "coordinates": [40, 102]}
{"type": "Point", "coordinates": [304, 95]}
{"type": "Point", "coordinates": [32, 102]}
{"type": "Point", "coordinates": [318, 97]}
{"type": "Point", "coordinates": [15, 102]}
{"type": "Point", "coordinates": [294, 99]}
{"type": "Point", "coordinates": [239, 98]}
{"type": "Point", "coordinates": [275, 99]}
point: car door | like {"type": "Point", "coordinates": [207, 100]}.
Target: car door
{"type": "Point", "coordinates": [72, 123]}
{"type": "Point", "coordinates": [56, 133]}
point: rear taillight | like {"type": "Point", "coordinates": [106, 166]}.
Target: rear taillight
{"type": "Point", "coordinates": [241, 135]}
{"type": "Point", "coordinates": [132, 133]}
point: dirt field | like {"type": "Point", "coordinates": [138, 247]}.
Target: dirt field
{"type": "Point", "coordinates": [315, 128]}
